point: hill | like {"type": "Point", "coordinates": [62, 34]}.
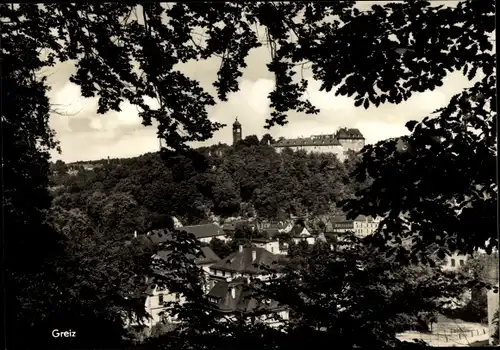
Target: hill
{"type": "Point", "coordinates": [250, 179]}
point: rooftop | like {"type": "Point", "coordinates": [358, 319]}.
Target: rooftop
{"type": "Point", "coordinates": [308, 141]}
{"type": "Point", "coordinates": [199, 231]}
{"type": "Point", "coordinates": [236, 296]}
{"type": "Point", "coordinates": [323, 140]}
{"type": "Point", "coordinates": [206, 256]}
{"type": "Point", "coordinates": [242, 261]}
{"type": "Point", "coordinates": [349, 133]}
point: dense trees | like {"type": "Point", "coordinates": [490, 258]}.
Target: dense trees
{"type": "Point", "coordinates": [330, 291]}
{"type": "Point", "coordinates": [272, 184]}
{"type": "Point", "coordinates": [446, 185]}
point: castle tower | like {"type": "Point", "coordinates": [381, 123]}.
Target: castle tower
{"type": "Point", "coordinates": [236, 131]}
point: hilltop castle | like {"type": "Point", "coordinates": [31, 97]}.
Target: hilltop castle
{"type": "Point", "coordinates": [340, 143]}
{"type": "Point", "coordinates": [344, 140]}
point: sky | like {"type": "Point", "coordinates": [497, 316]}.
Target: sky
{"type": "Point", "coordinates": [85, 135]}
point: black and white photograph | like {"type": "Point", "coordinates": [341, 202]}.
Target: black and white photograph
{"type": "Point", "coordinates": [235, 175]}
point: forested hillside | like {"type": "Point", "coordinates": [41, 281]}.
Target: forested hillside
{"type": "Point", "coordinates": [250, 179]}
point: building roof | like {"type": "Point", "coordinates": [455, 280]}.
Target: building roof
{"type": "Point", "coordinates": [271, 232]}
{"type": "Point", "coordinates": [320, 140]}
{"type": "Point", "coordinates": [272, 228]}
{"type": "Point", "coordinates": [265, 224]}
{"type": "Point", "coordinates": [298, 232]}
{"type": "Point", "coordinates": [203, 231]}
{"type": "Point", "coordinates": [241, 261]}
{"type": "Point", "coordinates": [207, 256]}
{"type": "Point", "coordinates": [236, 123]}
{"type": "Point", "coordinates": [348, 133]}
{"type": "Point", "coordinates": [338, 218]}
{"type": "Point", "coordinates": [343, 219]}
{"type": "Point", "coordinates": [262, 240]}
{"type": "Point", "coordinates": [231, 226]}
{"type": "Point", "coordinates": [241, 300]}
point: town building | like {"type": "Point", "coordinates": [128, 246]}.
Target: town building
{"type": "Point", "coordinates": [454, 262]}
{"type": "Point", "coordinates": [156, 297]}
{"type": "Point", "coordinates": [204, 233]}
{"type": "Point", "coordinates": [273, 228]}
{"type": "Point", "coordinates": [300, 233]}
{"type": "Point", "coordinates": [269, 244]}
{"type": "Point", "coordinates": [234, 297]}
{"type": "Point", "coordinates": [343, 141]}
{"type": "Point", "coordinates": [231, 285]}
{"type": "Point", "coordinates": [361, 226]}
{"type": "Point", "coordinates": [229, 227]}
{"type": "Point", "coordinates": [246, 262]}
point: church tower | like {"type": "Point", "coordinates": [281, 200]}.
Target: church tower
{"type": "Point", "coordinates": [236, 131]}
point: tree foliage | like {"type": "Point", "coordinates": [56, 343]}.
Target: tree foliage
{"type": "Point", "coordinates": [271, 185]}
{"type": "Point", "coordinates": [329, 292]}
{"type": "Point", "coordinates": [445, 170]}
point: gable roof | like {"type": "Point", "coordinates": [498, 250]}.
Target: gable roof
{"type": "Point", "coordinates": [206, 256]}
{"type": "Point", "coordinates": [242, 301]}
{"type": "Point", "coordinates": [298, 232]}
{"type": "Point", "coordinates": [349, 133]}
{"type": "Point", "coordinates": [271, 231]}
{"type": "Point", "coordinates": [241, 261]}
{"type": "Point", "coordinates": [203, 231]}
{"type": "Point", "coordinates": [231, 226]}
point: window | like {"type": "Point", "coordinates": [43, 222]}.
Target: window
{"type": "Point", "coordinates": [272, 249]}
{"type": "Point", "coordinates": [453, 262]}
{"type": "Point", "coordinates": [462, 262]}
{"type": "Point", "coordinates": [160, 299]}
{"type": "Point", "coordinates": [177, 296]}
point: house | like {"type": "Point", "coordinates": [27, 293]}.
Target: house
{"type": "Point", "coordinates": [454, 262]}
{"type": "Point", "coordinates": [273, 228]}
{"type": "Point", "coordinates": [269, 244]}
{"type": "Point", "coordinates": [235, 297]}
{"type": "Point", "coordinates": [156, 297]}
{"type": "Point", "coordinates": [231, 277]}
{"type": "Point", "coordinates": [246, 262]}
{"type": "Point", "coordinates": [230, 227]}
{"type": "Point", "coordinates": [204, 261]}
{"type": "Point", "coordinates": [300, 233]}
{"type": "Point", "coordinates": [361, 226]}
{"type": "Point", "coordinates": [206, 232]}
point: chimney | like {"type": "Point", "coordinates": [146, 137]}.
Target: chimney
{"type": "Point", "coordinates": [233, 292]}
{"type": "Point", "coordinates": [254, 255]}
{"type": "Point", "coordinates": [240, 248]}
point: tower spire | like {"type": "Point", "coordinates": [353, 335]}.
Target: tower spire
{"type": "Point", "coordinates": [236, 131]}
